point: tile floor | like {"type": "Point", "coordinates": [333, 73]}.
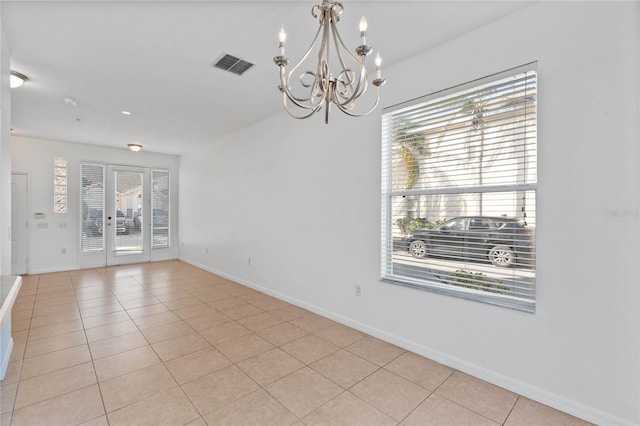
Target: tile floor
{"type": "Point", "coordinates": [167, 343]}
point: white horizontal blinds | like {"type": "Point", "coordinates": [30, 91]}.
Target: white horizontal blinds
{"type": "Point", "coordinates": [467, 154]}
{"type": "Point", "coordinates": [483, 136]}
{"type": "Point", "coordinates": [92, 207]}
{"type": "Point", "coordinates": [160, 202]}
{"type": "Point", "coordinates": [129, 235]}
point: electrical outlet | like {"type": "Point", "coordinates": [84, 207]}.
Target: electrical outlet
{"type": "Point", "coordinates": [358, 290]}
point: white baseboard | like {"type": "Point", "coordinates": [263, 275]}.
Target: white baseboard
{"type": "Point", "coordinates": [50, 270]}
{"type": "Point", "coordinates": [542, 396]}
{"type": "Point", "coordinates": [5, 359]}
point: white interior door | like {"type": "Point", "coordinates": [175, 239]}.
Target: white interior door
{"type": "Point", "coordinates": [127, 207]}
{"type": "Point", "coordinates": [19, 223]}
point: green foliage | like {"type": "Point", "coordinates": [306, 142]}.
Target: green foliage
{"type": "Point", "coordinates": [476, 280]}
{"type": "Point", "coordinates": [411, 147]}
{"type": "Point", "coordinates": [411, 224]}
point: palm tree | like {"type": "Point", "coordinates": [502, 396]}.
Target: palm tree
{"type": "Point", "coordinates": [411, 147]}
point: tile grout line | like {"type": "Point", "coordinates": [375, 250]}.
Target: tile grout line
{"type": "Point", "coordinates": [15, 399]}
{"type": "Point", "coordinates": [95, 374]}
{"type": "Point", "coordinates": [245, 298]}
{"type": "Point", "coordinates": [462, 406]}
{"type": "Point", "coordinates": [304, 364]}
{"type": "Point", "coordinates": [511, 410]}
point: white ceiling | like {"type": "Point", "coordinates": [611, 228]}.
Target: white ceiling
{"type": "Point", "coordinates": [153, 58]}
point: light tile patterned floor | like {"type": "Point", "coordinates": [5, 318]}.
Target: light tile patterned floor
{"type": "Point", "coordinates": [167, 343]}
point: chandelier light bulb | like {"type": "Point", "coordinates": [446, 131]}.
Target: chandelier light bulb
{"type": "Point", "coordinates": [363, 31]}
{"type": "Point", "coordinates": [378, 63]}
{"type": "Point", "coordinates": [363, 24]}
{"type": "Point", "coordinates": [282, 35]}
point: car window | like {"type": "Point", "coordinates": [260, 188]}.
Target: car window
{"type": "Point", "coordinates": [479, 224]}
{"type": "Point", "coordinates": [455, 225]}
{"type": "Point", "coordinates": [95, 213]}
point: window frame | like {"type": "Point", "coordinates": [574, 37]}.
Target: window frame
{"type": "Point", "coordinates": [388, 193]}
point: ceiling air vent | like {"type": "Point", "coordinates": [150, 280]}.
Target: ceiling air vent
{"type": "Point", "coordinates": [232, 64]}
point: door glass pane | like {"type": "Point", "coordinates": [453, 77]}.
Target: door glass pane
{"type": "Point", "coordinates": [126, 221]}
{"type": "Point", "coordinates": [160, 208]}
{"type": "Point", "coordinates": [92, 206]}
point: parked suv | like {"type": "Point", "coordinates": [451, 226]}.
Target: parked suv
{"type": "Point", "coordinates": [120, 222]}
{"type": "Point", "coordinates": [92, 224]}
{"type": "Point", "coordinates": [502, 241]}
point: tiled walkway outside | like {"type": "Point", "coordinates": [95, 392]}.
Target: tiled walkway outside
{"type": "Point", "coordinates": [167, 343]}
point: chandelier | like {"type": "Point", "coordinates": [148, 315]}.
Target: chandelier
{"type": "Point", "coordinates": [325, 86]}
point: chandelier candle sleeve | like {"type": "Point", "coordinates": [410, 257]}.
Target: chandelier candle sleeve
{"type": "Point", "coordinates": [282, 37]}
{"type": "Point", "coordinates": [336, 78]}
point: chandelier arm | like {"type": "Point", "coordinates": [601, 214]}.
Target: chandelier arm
{"type": "Point", "coordinates": [345, 48]}
{"type": "Point", "coordinates": [299, 101]}
{"type": "Point", "coordinates": [316, 95]}
{"type": "Point", "coordinates": [306, 54]}
{"type": "Point", "coordinates": [356, 90]}
{"type": "Point", "coordinates": [324, 53]}
{"type": "Point", "coordinates": [346, 77]}
{"type": "Point", "coordinates": [285, 81]}
{"type": "Point", "coordinates": [299, 117]}
{"type": "Point", "coordinates": [360, 114]}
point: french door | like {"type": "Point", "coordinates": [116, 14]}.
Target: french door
{"type": "Point", "coordinates": [127, 202]}
{"type": "Point", "coordinates": [125, 214]}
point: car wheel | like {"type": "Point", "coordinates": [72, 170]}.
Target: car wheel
{"type": "Point", "coordinates": [502, 255]}
{"type": "Point", "coordinates": [418, 249]}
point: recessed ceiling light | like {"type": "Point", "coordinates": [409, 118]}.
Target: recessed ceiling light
{"type": "Point", "coordinates": [135, 147]}
{"type": "Point", "coordinates": [125, 112]}
{"type": "Point", "coordinates": [16, 79]}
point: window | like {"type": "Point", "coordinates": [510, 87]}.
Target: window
{"type": "Point", "coordinates": [160, 209]}
{"type": "Point", "coordinates": [92, 205]}
{"type": "Point", "coordinates": [59, 185]}
{"type": "Point", "coordinates": [459, 190]}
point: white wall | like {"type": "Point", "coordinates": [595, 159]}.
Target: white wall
{"type": "Point", "coordinates": [5, 157]}
{"type": "Point", "coordinates": [35, 157]}
{"type": "Point", "coordinates": [302, 200]}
